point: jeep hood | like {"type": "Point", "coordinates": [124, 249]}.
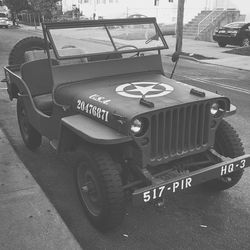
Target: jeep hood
{"type": "Point", "coordinates": [120, 95]}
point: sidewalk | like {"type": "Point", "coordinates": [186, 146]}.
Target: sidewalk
{"type": "Point", "coordinates": [28, 219]}
{"type": "Point", "coordinates": [207, 49]}
{"type": "Point", "coordinates": [210, 49]}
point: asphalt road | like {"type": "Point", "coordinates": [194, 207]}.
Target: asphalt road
{"type": "Point", "coordinates": [195, 219]}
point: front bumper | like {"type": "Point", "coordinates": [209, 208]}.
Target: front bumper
{"type": "Point", "coordinates": [3, 24]}
{"type": "Point", "coordinates": [162, 189]}
{"type": "Point", "coordinates": [228, 39]}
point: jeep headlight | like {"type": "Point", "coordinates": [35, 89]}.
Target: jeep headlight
{"type": "Point", "coordinates": [214, 108]}
{"type": "Point", "coordinates": [136, 126]}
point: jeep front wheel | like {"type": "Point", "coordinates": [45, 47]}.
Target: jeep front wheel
{"type": "Point", "coordinates": [100, 189]}
{"type": "Point", "coordinates": [31, 137]}
{"type": "Point", "coordinates": [228, 144]}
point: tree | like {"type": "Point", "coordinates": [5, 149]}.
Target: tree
{"type": "Point", "coordinates": [16, 6]}
{"type": "Point", "coordinates": [45, 7]}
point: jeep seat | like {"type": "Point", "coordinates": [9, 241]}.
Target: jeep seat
{"type": "Point", "coordinates": [41, 54]}
{"type": "Point", "coordinates": [36, 74]}
{"type": "Point", "coordinates": [44, 103]}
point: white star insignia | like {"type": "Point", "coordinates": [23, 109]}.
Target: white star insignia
{"type": "Point", "coordinates": [144, 90]}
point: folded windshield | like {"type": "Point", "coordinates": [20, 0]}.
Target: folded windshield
{"type": "Point", "coordinates": [101, 37]}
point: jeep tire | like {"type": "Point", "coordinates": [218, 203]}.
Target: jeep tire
{"type": "Point", "coordinates": [228, 144]}
{"type": "Point", "coordinates": [16, 55]}
{"type": "Point", "coordinates": [31, 137]}
{"type": "Point", "coordinates": [100, 189]}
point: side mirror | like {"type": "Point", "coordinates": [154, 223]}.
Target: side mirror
{"type": "Point", "coordinates": [175, 57]}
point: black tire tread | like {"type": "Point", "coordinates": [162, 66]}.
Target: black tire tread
{"type": "Point", "coordinates": [242, 44]}
{"type": "Point", "coordinates": [16, 55]}
{"type": "Point", "coordinates": [34, 137]}
{"type": "Point", "coordinates": [110, 181]}
{"type": "Point", "coordinates": [227, 136]}
{"type": "Point", "coordinates": [222, 44]}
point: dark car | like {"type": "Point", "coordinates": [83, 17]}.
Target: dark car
{"type": "Point", "coordinates": [237, 33]}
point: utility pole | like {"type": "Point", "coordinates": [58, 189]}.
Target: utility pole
{"type": "Point", "coordinates": [179, 28]}
{"type": "Point", "coordinates": [179, 34]}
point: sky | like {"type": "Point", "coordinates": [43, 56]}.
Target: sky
{"type": "Point", "coordinates": [243, 6]}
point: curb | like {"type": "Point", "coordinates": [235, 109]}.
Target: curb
{"type": "Point", "coordinates": [207, 62]}
{"type": "Point", "coordinates": [28, 219]}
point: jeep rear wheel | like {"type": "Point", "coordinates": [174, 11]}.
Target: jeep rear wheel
{"type": "Point", "coordinates": [228, 144]}
{"type": "Point", "coordinates": [31, 137]}
{"type": "Point", "coordinates": [100, 189]}
{"type": "Point", "coordinates": [27, 44]}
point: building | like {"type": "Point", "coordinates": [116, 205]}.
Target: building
{"type": "Point", "coordinates": [125, 8]}
{"type": "Point", "coordinates": [164, 10]}
{"type": "Point", "coordinates": [70, 5]}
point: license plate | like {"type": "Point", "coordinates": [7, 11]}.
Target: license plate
{"type": "Point", "coordinates": [158, 192]}
{"type": "Point", "coordinates": [152, 193]}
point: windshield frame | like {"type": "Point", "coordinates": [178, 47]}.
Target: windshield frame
{"type": "Point", "coordinates": [101, 23]}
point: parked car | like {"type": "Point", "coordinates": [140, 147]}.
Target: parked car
{"type": "Point", "coordinates": [137, 16]}
{"type": "Point", "coordinates": [83, 17]}
{"type": "Point", "coordinates": [237, 33]}
{"type": "Point", "coordinates": [135, 133]}
{"type": "Point", "coordinates": [4, 20]}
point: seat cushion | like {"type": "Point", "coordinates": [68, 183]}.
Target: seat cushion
{"type": "Point", "coordinates": [34, 55]}
{"type": "Point", "coordinates": [44, 103]}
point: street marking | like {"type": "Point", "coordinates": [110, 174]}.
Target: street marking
{"type": "Point", "coordinates": [246, 91]}
{"type": "Point", "coordinates": [222, 85]}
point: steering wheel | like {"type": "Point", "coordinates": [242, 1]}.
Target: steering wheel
{"type": "Point", "coordinates": [129, 46]}
{"type": "Point", "coordinates": [123, 47]}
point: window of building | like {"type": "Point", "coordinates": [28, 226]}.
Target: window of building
{"type": "Point", "coordinates": [104, 1]}
{"type": "Point", "coordinates": [98, 1]}
{"type": "Point", "coordinates": [86, 1]}
{"type": "Point", "coordinates": [111, 1]}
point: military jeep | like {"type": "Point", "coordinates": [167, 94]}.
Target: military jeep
{"type": "Point", "coordinates": [98, 88]}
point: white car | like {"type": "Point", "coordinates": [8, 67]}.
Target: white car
{"type": "Point", "coordinates": [4, 21]}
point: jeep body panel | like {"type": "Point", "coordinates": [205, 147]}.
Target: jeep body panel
{"type": "Point", "coordinates": [92, 131]}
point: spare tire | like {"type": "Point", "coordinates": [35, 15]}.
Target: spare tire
{"type": "Point", "coordinates": [16, 55]}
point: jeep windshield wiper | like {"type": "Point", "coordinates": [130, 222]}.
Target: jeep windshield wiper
{"type": "Point", "coordinates": [154, 37]}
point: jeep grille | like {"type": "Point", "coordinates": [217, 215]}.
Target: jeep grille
{"type": "Point", "coordinates": [179, 130]}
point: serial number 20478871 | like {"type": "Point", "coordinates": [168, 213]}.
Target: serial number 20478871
{"type": "Point", "coordinates": [93, 110]}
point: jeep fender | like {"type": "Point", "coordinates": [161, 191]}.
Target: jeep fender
{"type": "Point", "coordinates": [81, 127]}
